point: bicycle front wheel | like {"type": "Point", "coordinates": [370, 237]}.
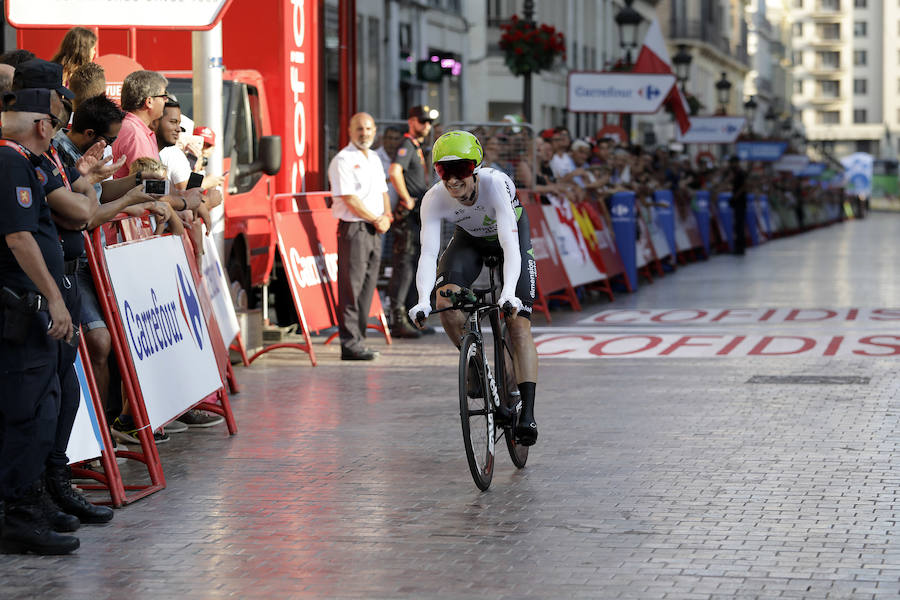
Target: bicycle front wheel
{"type": "Point", "coordinates": [475, 411]}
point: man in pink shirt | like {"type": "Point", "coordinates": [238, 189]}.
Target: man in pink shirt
{"type": "Point", "coordinates": [143, 99]}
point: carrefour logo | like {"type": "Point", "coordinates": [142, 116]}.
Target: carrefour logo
{"type": "Point", "coordinates": [730, 128]}
{"type": "Point", "coordinates": [620, 210]}
{"type": "Point", "coordinates": [155, 325]}
{"type": "Point", "coordinates": [650, 92]}
{"type": "Point", "coordinates": [190, 308]}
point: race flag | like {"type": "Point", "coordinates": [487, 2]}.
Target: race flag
{"type": "Point", "coordinates": [654, 58]}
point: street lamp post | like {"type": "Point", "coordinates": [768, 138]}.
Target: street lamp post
{"type": "Point", "coordinates": [750, 107]}
{"type": "Point", "coordinates": [528, 13]}
{"type": "Point", "coordinates": [682, 60]}
{"type": "Point", "coordinates": [628, 20]}
{"type": "Point", "coordinates": [723, 93]}
{"type": "Point", "coordinates": [770, 118]}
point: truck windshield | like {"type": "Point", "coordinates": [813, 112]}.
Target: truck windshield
{"type": "Point", "coordinates": [183, 89]}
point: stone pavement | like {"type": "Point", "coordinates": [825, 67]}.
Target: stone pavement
{"type": "Point", "coordinates": [676, 476]}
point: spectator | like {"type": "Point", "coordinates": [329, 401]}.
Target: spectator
{"type": "Point", "coordinates": [86, 82]}
{"type": "Point", "coordinates": [411, 175]}
{"type": "Point", "coordinates": [362, 205]}
{"type": "Point", "coordinates": [199, 159]}
{"type": "Point", "coordinates": [143, 98]}
{"type": "Point", "coordinates": [31, 263]}
{"type": "Point", "coordinates": [561, 163]}
{"type": "Point", "coordinates": [14, 58]}
{"type": "Point", "coordinates": [6, 77]}
{"type": "Point", "coordinates": [77, 49]}
{"type": "Point", "coordinates": [738, 178]}
{"type": "Point", "coordinates": [493, 149]}
{"type": "Point", "coordinates": [387, 152]}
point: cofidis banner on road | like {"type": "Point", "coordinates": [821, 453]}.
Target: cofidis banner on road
{"type": "Point", "coordinates": [164, 326]}
{"type": "Point", "coordinates": [595, 91]}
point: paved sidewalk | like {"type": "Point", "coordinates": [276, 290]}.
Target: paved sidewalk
{"type": "Point", "coordinates": [674, 476]}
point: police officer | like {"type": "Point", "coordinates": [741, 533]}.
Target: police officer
{"type": "Point", "coordinates": [33, 317]}
{"type": "Point", "coordinates": [411, 175]}
{"type": "Point", "coordinates": [72, 200]}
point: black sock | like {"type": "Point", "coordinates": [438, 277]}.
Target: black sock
{"type": "Point", "coordinates": [526, 389]}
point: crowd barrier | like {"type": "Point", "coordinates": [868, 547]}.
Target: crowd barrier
{"type": "Point", "coordinates": [167, 344]}
{"type": "Point", "coordinates": [307, 241]}
{"type": "Point", "coordinates": [581, 244]}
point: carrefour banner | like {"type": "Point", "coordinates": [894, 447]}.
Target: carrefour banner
{"type": "Point", "coordinates": [764, 151]}
{"type": "Point", "coordinates": [164, 326]}
{"type": "Point", "coordinates": [700, 206]}
{"type": "Point", "coordinates": [217, 286]}
{"type": "Point", "coordinates": [712, 130]}
{"type": "Point", "coordinates": [85, 441]}
{"type": "Point", "coordinates": [624, 225]}
{"type": "Point", "coordinates": [858, 173]}
{"type": "Point", "coordinates": [595, 91]}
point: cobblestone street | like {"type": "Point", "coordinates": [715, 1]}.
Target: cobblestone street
{"type": "Point", "coordinates": [670, 469]}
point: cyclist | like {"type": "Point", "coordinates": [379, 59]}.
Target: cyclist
{"type": "Point", "coordinates": [489, 221]}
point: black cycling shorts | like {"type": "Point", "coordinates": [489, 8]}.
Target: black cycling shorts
{"type": "Point", "coordinates": [463, 259]}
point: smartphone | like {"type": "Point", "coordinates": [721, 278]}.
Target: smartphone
{"type": "Point", "coordinates": [157, 187]}
{"type": "Point", "coordinates": [195, 180]}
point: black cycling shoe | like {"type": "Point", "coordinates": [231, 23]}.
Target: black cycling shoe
{"type": "Point", "coordinates": [526, 431]}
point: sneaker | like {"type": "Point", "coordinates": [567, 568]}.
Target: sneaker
{"type": "Point", "coordinates": [175, 427]}
{"type": "Point", "coordinates": [124, 430]}
{"type": "Point", "coordinates": [160, 436]}
{"type": "Point", "coordinates": [199, 419]}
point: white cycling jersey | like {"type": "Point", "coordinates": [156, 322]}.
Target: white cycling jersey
{"type": "Point", "coordinates": [493, 215]}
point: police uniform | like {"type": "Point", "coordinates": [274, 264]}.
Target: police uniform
{"type": "Point", "coordinates": [55, 175]}
{"type": "Point", "coordinates": [411, 158]}
{"type": "Point", "coordinates": [29, 386]}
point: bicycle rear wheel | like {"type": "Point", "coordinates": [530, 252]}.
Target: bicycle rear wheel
{"type": "Point", "coordinates": [503, 356]}
{"type": "Point", "coordinates": [475, 412]}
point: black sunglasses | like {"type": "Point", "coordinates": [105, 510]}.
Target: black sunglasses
{"type": "Point", "coordinates": [423, 120]}
{"type": "Point", "coordinates": [163, 95]}
{"type": "Point", "coordinates": [459, 169]}
{"type": "Point", "coordinates": [53, 120]}
{"type": "Point", "coordinates": [109, 140]}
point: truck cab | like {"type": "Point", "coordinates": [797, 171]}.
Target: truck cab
{"type": "Point", "coordinates": [252, 158]}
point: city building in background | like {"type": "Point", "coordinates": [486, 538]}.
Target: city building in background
{"type": "Point", "coordinates": [846, 82]}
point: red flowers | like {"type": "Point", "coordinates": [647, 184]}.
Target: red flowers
{"type": "Point", "coordinates": [530, 48]}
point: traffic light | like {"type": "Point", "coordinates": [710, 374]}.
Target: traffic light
{"type": "Point", "coordinates": [429, 71]}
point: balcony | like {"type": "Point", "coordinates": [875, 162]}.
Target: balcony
{"type": "Point", "coordinates": [710, 33]}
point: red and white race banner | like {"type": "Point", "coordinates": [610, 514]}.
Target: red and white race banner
{"type": "Point", "coordinates": [699, 345]}
{"type": "Point", "coordinates": [164, 325]}
{"type": "Point", "coordinates": [551, 274]}
{"type": "Point", "coordinates": [579, 258]}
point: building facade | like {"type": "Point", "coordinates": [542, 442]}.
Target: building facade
{"type": "Point", "coordinates": [845, 67]}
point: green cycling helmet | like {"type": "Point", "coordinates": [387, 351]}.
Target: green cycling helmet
{"type": "Point", "coordinates": [457, 145]}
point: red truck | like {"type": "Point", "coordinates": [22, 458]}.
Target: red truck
{"type": "Point", "coordinates": [273, 100]}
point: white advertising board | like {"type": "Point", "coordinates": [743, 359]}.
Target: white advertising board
{"type": "Point", "coordinates": [217, 285]}
{"type": "Point", "coordinates": [85, 440]}
{"type": "Point", "coordinates": [164, 325]}
{"type": "Point", "coordinates": [594, 91]}
{"type": "Point", "coordinates": [196, 14]}
{"type": "Point", "coordinates": [712, 130]}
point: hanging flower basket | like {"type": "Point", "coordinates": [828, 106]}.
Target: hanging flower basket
{"type": "Point", "coordinates": [529, 47]}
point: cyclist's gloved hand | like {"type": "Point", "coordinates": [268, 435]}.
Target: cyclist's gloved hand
{"type": "Point", "coordinates": [513, 301]}
{"type": "Point", "coordinates": [422, 307]}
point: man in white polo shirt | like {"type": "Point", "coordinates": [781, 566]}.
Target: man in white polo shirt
{"type": "Point", "coordinates": [362, 205]}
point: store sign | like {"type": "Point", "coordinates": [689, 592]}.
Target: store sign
{"type": "Point", "coordinates": [764, 151]}
{"type": "Point", "coordinates": [143, 14]}
{"type": "Point", "coordinates": [594, 91]}
{"type": "Point", "coordinates": [712, 130]}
